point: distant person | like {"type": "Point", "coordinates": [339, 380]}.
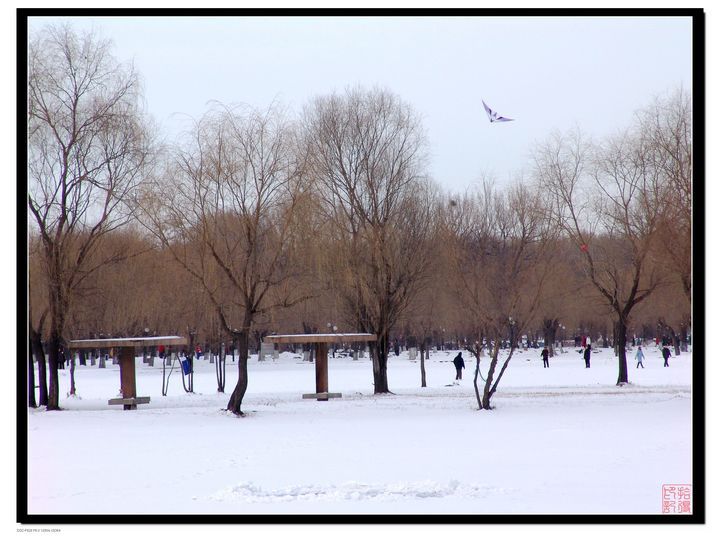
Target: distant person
{"type": "Point", "coordinates": [198, 351]}
{"type": "Point", "coordinates": [161, 351]}
{"type": "Point", "coordinates": [586, 356]}
{"type": "Point", "coordinates": [459, 366]}
{"type": "Point", "coordinates": [545, 354]}
{"type": "Point", "coordinates": [639, 356]}
{"type": "Point", "coordinates": [666, 355]}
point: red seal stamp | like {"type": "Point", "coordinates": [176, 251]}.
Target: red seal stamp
{"type": "Point", "coordinates": [677, 499]}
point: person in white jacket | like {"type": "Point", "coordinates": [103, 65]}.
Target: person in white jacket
{"type": "Point", "coordinates": [639, 356]}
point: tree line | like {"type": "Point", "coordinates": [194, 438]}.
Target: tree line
{"type": "Point", "coordinates": [260, 220]}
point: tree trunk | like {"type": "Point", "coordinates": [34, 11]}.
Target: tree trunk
{"type": "Point", "coordinates": [42, 377]}
{"type": "Point", "coordinates": [380, 364]}
{"type": "Point", "coordinates": [502, 370]}
{"type": "Point", "coordinates": [475, 379]}
{"type": "Point", "coordinates": [39, 354]}
{"type": "Point", "coordinates": [620, 343]}
{"type": "Point", "coordinates": [72, 373]}
{"type": "Point", "coordinates": [487, 393]}
{"type": "Point", "coordinates": [54, 360]}
{"type": "Point", "coordinates": [423, 382]}
{"type": "Point", "coordinates": [549, 337]}
{"type": "Point", "coordinates": [220, 369]}
{"type": "Point", "coordinates": [683, 338]}
{"type": "Point", "coordinates": [550, 326]}
{"type": "Point", "coordinates": [235, 402]}
{"type": "Point", "coordinates": [32, 403]}
{"type": "Point", "coordinates": [615, 340]}
{"type": "Point", "coordinates": [676, 343]}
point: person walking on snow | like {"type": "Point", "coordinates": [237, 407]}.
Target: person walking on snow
{"type": "Point", "coordinates": [459, 365]}
{"type": "Point", "coordinates": [586, 356]}
{"type": "Point", "coordinates": [639, 356]}
{"type": "Point", "coordinates": [545, 355]}
{"type": "Point", "coordinates": [666, 355]}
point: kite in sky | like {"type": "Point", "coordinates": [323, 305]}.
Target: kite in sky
{"type": "Point", "coordinates": [493, 116]}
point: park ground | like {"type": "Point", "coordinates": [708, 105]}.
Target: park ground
{"type": "Point", "coordinates": [563, 440]}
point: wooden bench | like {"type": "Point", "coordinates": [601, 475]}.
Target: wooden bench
{"type": "Point", "coordinates": [129, 403]}
{"type": "Point", "coordinates": [321, 341]}
{"type": "Point", "coordinates": [322, 396]}
{"type": "Point", "coordinates": [127, 346]}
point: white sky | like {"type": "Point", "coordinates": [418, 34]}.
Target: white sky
{"type": "Point", "coordinates": [547, 73]}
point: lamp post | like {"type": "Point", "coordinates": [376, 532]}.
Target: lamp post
{"type": "Point", "coordinates": [146, 331]}
{"type": "Point", "coordinates": [512, 332]}
{"type": "Point", "coordinates": [332, 328]}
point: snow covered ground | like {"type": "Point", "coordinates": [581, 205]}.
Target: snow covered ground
{"type": "Point", "coordinates": [562, 440]}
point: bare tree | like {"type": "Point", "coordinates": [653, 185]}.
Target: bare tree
{"type": "Point", "coordinates": [423, 316]}
{"type": "Point", "coordinates": [37, 304]}
{"type": "Point", "coordinates": [86, 148]}
{"type": "Point", "coordinates": [667, 126]}
{"type": "Point", "coordinates": [225, 210]}
{"type": "Point", "coordinates": [366, 153]}
{"type": "Point", "coordinates": [608, 203]}
{"type": "Point", "coordinates": [502, 262]}
{"type": "Point", "coordinates": [565, 293]}
{"type": "Point", "coordinates": [667, 314]}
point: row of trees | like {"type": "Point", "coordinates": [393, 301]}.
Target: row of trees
{"type": "Point", "coordinates": [257, 221]}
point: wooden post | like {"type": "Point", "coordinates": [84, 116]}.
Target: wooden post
{"type": "Point", "coordinates": [127, 376]}
{"type": "Point", "coordinates": [321, 369]}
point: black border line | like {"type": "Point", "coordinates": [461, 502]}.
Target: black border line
{"type": "Point", "coordinates": [22, 273]}
{"type": "Point", "coordinates": [698, 268]}
{"type": "Point", "coordinates": [698, 265]}
{"type": "Point", "coordinates": [351, 12]}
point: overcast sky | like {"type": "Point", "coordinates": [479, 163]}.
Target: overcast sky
{"type": "Point", "coordinates": [547, 73]}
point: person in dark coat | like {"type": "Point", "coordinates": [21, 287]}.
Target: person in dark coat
{"type": "Point", "coordinates": [545, 354]}
{"type": "Point", "coordinates": [459, 365]}
{"type": "Point", "coordinates": [586, 355]}
{"type": "Point", "coordinates": [666, 355]}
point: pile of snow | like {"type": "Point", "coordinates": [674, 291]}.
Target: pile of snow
{"type": "Point", "coordinates": [353, 491]}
